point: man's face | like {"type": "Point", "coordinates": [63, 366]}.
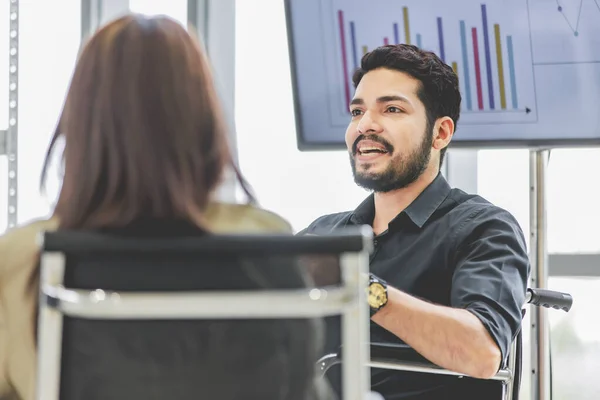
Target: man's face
{"type": "Point", "coordinates": [388, 139]}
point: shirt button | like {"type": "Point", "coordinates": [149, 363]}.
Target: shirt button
{"type": "Point", "coordinates": [375, 242]}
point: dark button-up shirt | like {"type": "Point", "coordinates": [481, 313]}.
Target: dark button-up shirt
{"type": "Point", "coordinates": [452, 249]}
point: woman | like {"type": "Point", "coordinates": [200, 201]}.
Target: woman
{"type": "Point", "coordinates": [145, 147]}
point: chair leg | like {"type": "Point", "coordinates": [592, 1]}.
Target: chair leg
{"type": "Point", "coordinates": [512, 364]}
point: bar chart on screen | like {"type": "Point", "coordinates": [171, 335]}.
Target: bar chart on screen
{"type": "Point", "coordinates": [485, 44]}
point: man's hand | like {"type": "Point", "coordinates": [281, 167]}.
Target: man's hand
{"type": "Point", "coordinates": [451, 338]}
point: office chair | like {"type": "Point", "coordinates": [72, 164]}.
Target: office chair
{"type": "Point", "coordinates": [129, 318]}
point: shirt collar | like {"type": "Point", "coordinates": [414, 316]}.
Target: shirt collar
{"type": "Point", "coordinates": [423, 207]}
{"type": "Point", "coordinates": [419, 211]}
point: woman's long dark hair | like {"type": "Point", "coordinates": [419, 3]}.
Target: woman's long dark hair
{"type": "Point", "coordinates": [143, 129]}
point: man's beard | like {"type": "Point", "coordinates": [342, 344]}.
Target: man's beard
{"type": "Point", "coordinates": [401, 171]}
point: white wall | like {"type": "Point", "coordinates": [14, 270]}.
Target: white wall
{"type": "Point", "coordinates": [299, 186]}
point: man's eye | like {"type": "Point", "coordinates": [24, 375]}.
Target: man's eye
{"type": "Point", "coordinates": [393, 109]}
{"type": "Point", "coordinates": [355, 112]}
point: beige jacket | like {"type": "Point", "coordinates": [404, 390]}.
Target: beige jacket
{"type": "Point", "coordinates": [19, 288]}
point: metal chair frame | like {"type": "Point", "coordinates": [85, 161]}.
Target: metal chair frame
{"type": "Point", "coordinates": [347, 299]}
{"type": "Point", "coordinates": [537, 297]}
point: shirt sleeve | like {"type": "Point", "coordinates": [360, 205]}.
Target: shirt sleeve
{"type": "Point", "coordinates": [492, 269]}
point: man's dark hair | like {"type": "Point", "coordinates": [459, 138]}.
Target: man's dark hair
{"type": "Point", "coordinates": [439, 91]}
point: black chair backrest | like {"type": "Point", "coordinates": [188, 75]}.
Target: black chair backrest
{"type": "Point", "coordinates": [154, 358]}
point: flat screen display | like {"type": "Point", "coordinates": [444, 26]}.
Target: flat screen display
{"type": "Point", "coordinates": [529, 70]}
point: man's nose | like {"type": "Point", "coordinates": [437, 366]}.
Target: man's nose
{"type": "Point", "coordinates": [368, 124]}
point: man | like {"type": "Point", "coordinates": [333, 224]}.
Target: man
{"type": "Point", "coordinates": [453, 267]}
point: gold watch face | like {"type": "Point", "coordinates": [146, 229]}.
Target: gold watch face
{"type": "Point", "coordinates": [377, 295]}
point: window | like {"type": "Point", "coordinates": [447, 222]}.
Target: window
{"type": "Point", "coordinates": [176, 9]}
{"type": "Point", "coordinates": [503, 178]}
{"type": "Point", "coordinates": [3, 194]}
{"type": "Point", "coordinates": [299, 186]}
{"type": "Point", "coordinates": [575, 343]}
{"type": "Point", "coordinates": [572, 201]}
{"type": "Point", "coordinates": [4, 40]}
{"type": "Point", "coordinates": [48, 43]}
{"type": "Point", "coordinates": [4, 24]}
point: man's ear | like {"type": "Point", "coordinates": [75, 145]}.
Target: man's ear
{"type": "Point", "coordinates": [442, 132]}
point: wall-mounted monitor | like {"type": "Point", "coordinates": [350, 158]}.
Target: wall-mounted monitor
{"type": "Point", "coordinates": [529, 70]}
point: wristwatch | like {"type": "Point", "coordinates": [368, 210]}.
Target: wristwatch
{"type": "Point", "coordinates": [378, 294]}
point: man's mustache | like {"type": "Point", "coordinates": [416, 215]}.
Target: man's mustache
{"type": "Point", "coordinates": [374, 138]}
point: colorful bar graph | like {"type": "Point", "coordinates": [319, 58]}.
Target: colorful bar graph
{"type": "Point", "coordinates": [497, 78]}
{"type": "Point", "coordinates": [353, 40]}
{"type": "Point", "coordinates": [500, 66]}
{"type": "Point", "coordinates": [511, 71]}
{"type": "Point", "coordinates": [441, 39]}
{"type": "Point", "coordinates": [344, 58]}
{"type": "Point", "coordinates": [488, 58]}
{"type": "Point", "coordinates": [406, 25]}
{"type": "Point", "coordinates": [465, 64]}
{"type": "Point", "coordinates": [477, 69]}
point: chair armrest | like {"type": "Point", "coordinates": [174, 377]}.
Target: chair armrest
{"type": "Point", "coordinates": [549, 299]}
{"type": "Point", "coordinates": [402, 357]}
